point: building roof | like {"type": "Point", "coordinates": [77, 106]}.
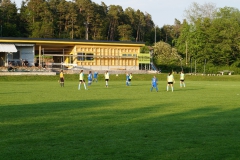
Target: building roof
{"type": "Point", "coordinates": [7, 48]}
{"type": "Point", "coordinates": [67, 41]}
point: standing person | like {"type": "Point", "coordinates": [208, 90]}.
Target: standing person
{"type": "Point", "coordinates": [127, 79]}
{"type": "Point", "coordinates": [182, 78]}
{"type": "Point", "coordinates": [130, 78]}
{"type": "Point", "coordinates": [81, 80]}
{"type": "Point", "coordinates": [106, 75]}
{"type": "Point", "coordinates": [61, 78]}
{"type": "Point", "coordinates": [95, 76]}
{"type": "Point", "coordinates": [154, 83]}
{"type": "Point", "coordinates": [90, 78]}
{"type": "Point", "coordinates": [170, 81]}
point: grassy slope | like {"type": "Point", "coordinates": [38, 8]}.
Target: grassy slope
{"type": "Point", "coordinates": [40, 120]}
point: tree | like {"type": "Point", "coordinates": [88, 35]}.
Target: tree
{"type": "Point", "coordinates": [71, 18]}
{"type": "Point", "coordinates": [224, 36]}
{"type": "Point", "coordinates": [197, 11]}
{"type": "Point", "coordinates": [164, 54]}
{"type": "Point", "coordinates": [86, 11]}
{"type": "Point", "coordinates": [23, 25]}
{"type": "Point", "coordinates": [99, 22]}
{"type": "Point", "coordinates": [8, 19]}
{"type": "Point", "coordinates": [114, 16]}
{"type": "Point", "coordinates": [35, 9]}
{"type": "Point", "coordinates": [125, 32]}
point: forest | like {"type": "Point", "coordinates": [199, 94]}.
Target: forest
{"type": "Point", "coordinates": [208, 37]}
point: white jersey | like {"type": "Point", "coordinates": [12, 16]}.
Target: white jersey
{"type": "Point", "coordinates": [182, 76]}
{"type": "Point", "coordinates": [107, 75]}
{"type": "Point", "coordinates": [81, 76]}
{"type": "Point", "coordinates": [170, 78]}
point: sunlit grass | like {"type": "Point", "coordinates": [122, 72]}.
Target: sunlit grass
{"type": "Point", "coordinates": [41, 120]}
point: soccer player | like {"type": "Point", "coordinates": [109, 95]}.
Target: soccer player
{"type": "Point", "coordinates": [170, 81]}
{"type": "Point", "coordinates": [154, 84]}
{"type": "Point", "coordinates": [127, 79]}
{"type": "Point", "coordinates": [81, 80]}
{"type": "Point", "coordinates": [90, 77]}
{"type": "Point", "coordinates": [182, 78]}
{"type": "Point", "coordinates": [61, 78]}
{"type": "Point", "coordinates": [95, 76]}
{"type": "Point", "coordinates": [130, 78]}
{"type": "Point", "coordinates": [106, 75]}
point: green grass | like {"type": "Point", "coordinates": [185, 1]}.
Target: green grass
{"type": "Point", "coordinates": [120, 77]}
{"type": "Point", "coordinates": [41, 120]}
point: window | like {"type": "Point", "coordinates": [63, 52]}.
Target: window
{"type": "Point", "coordinates": [129, 55]}
{"type": "Point", "coordinates": [85, 56]}
{"type": "Point", "coordinates": [89, 57]}
{"type": "Point", "coordinates": [81, 57]}
{"type": "Point", "coordinates": [16, 55]}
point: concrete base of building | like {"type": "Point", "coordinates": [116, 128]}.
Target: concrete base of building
{"type": "Point", "coordinates": [27, 73]}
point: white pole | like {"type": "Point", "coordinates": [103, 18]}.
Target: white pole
{"type": "Point", "coordinates": [195, 66]}
{"type": "Point", "coordinates": [191, 65]}
{"type": "Point", "coordinates": [204, 65]}
{"type": "Point", "coordinates": [155, 35]}
{"type": "Point", "coordinates": [186, 52]}
{"type": "Point", "coordinates": [7, 59]}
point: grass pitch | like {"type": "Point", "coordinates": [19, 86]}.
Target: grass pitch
{"type": "Point", "coordinates": [41, 120]}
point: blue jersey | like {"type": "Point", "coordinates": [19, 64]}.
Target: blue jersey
{"type": "Point", "coordinates": [95, 75]}
{"type": "Point", "coordinates": [90, 77]}
{"type": "Point", "coordinates": [127, 77]}
{"type": "Point", "coordinates": [154, 82]}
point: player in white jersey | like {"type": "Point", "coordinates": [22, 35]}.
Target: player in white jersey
{"type": "Point", "coordinates": [170, 81]}
{"type": "Point", "coordinates": [81, 80]}
{"type": "Point", "coordinates": [182, 78]}
{"type": "Point", "coordinates": [106, 75]}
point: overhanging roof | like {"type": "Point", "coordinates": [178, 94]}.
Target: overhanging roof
{"type": "Point", "coordinates": [24, 45]}
{"type": "Point", "coordinates": [44, 41]}
{"type": "Point", "coordinates": [7, 48]}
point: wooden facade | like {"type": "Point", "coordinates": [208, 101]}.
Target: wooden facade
{"type": "Point", "coordinates": [86, 54]}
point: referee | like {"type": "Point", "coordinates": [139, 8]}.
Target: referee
{"type": "Point", "coordinates": [61, 79]}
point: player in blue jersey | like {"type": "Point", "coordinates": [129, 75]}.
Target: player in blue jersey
{"type": "Point", "coordinates": [90, 78]}
{"type": "Point", "coordinates": [95, 76]}
{"type": "Point", "coordinates": [154, 83]}
{"type": "Point", "coordinates": [127, 79]}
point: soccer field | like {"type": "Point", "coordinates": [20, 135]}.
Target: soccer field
{"type": "Point", "coordinates": [41, 120]}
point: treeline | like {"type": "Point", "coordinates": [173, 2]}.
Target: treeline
{"type": "Point", "coordinates": [81, 19]}
{"type": "Point", "coordinates": [208, 37]}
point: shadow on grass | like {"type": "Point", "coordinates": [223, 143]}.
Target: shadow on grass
{"type": "Point", "coordinates": [88, 129]}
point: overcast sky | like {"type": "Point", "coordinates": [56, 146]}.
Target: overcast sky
{"type": "Point", "coordinates": [162, 11]}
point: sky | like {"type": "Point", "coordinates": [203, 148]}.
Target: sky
{"type": "Point", "coordinates": [163, 12]}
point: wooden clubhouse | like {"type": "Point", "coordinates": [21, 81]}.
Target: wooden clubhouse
{"type": "Point", "coordinates": [95, 55]}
